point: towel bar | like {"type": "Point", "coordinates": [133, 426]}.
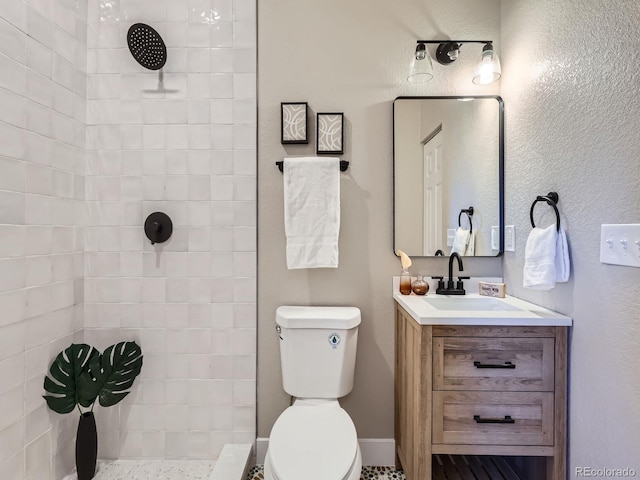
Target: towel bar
{"type": "Point", "coordinates": [552, 199]}
{"type": "Point", "coordinates": [344, 165]}
{"type": "Point", "coordinates": [469, 212]}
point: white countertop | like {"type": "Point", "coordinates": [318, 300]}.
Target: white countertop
{"type": "Point", "coordinates": [528, 314]}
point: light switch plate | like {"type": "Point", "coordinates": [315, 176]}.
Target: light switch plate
{"type": "Point", "coordinates": [451, 235]}
{"type": "Point", "coordinates": [495, 238]}
{"type": "Point", "coordinates": [620, 244]}
{"type": "Point", "coordinates": [510, 238]}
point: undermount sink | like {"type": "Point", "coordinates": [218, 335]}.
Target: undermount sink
{"type": "Point", "coordinates": [468, 304]}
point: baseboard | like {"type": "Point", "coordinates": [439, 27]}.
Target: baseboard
{"type": "Point", "coordinates": [376, 452]}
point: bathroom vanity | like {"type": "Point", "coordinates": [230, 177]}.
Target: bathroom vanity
{"type": "Point", "coordinates": [479, 376]}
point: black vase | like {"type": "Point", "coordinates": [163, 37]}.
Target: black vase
{"type": "Point", "coordinates": [86, 447]}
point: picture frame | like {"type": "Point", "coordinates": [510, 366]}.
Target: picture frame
{"type": "Point", "coordinates": [294, 123]}
{"type": "Point", "coordinates": [330, 133]}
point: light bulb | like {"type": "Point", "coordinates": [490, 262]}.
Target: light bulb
{"type": "Point", "coordinates": [488, 69]}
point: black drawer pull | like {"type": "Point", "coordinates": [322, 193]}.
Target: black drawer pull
{"type": "Point", "coordinates": [506, 419]}
{"type": "Point", "coordinates": [494, 365]}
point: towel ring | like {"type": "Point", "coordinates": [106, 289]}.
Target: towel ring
{"type": "Point", "coordinates": [469, 212]}
{"type": "Point", "coordinates": [552, 199]}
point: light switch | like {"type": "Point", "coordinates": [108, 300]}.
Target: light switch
{"type": "Point", "coordinates": [620, 244]}
{"type": "Point", "coordinates": [451, 235]}
{"type": "Point", "coordinates": [495, 238]}
{"type": "Point", "coordinates": [510, 238]}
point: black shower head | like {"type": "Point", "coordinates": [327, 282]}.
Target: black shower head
{"type": "Point", "coordinates": [146, 46]}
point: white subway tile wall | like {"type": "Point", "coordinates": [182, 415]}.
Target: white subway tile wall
{"type": "Point", "coordinates": [183, 143]}
{"type": "Point", "coordinates": [43, 59]}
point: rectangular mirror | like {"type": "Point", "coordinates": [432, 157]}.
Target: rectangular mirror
{"type": "Point", "coordinates": [448, 164]}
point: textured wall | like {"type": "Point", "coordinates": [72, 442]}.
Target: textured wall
{"type": "Point", "coordinates": [570, 84]}
{"type": "Point", "coordinates": [345, 57]}
{"type": "Point", "coordinates": [186, 148]}
{"type": "Point", "coordinates": [42, 137]}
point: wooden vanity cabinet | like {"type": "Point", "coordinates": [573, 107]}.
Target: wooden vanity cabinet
{"type": "Point", "coordinates": [479, 390]}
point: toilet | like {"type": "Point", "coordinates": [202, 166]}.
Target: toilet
{"type": "Point", "coordinates": [314, 438]}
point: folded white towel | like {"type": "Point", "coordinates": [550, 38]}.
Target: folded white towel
{"type": "Point", "coordinates": [540, 258]}
{"type": "Point", "coordinates": [563, 264]}
{"type": "Point", "coordinates": [460, 241]}
{"type": "Point", "coordinates": [312, 211]}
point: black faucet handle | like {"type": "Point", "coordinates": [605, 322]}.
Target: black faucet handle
{"type": "Point", "coordinates": [464, 278]}
{"type": "Point", "coordinates": [440, 283]}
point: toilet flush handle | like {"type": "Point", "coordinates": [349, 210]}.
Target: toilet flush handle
{"type": "Point", "coordinates": [279, 330]}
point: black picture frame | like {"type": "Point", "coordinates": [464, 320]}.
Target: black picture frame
{"type": "Point", "coordinates": [288, 113]}
{"type": "Point", "coordinates": [329, 144]}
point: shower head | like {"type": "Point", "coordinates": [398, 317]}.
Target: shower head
{"type": "Point", "coordinates": [146, 46]}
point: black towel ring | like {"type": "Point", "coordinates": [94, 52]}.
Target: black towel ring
{"type": "Point", "coordinates": [552, 199]}
{"type": "Point", "coordinates": [469, 212]}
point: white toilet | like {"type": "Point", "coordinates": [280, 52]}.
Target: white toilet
{"type": "Point", "coordinates": [315, 439]}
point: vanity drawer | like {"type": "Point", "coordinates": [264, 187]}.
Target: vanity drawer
{"type": "Point", "coordinates": [505, 364]}
{"type": "Point", "coordinates": [493, 418]}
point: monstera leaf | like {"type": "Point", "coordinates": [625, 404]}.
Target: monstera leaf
{"type": "Point", "coordinates": [68, 373]}
{"type": "Point", "coordinates": [80, 374]}
{"type": "Point", "coordinates": [113, 373]}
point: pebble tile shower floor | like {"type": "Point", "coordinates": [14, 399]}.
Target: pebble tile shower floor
{"type": "Point", "coordinates": [368, 473]}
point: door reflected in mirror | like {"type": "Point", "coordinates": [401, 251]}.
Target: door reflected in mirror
{"type": "Point", "coordinates": [448, 175]}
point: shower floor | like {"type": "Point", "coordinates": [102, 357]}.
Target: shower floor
{"type": "Point", "coordinates": [368, 473]}
{"type": "Point", "coordinates": [154, 470]}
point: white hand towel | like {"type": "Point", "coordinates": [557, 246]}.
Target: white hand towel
{"type": "Point", "coordinates": [540, 258]}
{"type": "Point", "coordinates": [471, 246]}
{"type": "Point", "coordinates": [460, 241]}
{"type": "Point", "coordinates": [312, 211]}
{"type": "Point", "coordinates": [563, 264]}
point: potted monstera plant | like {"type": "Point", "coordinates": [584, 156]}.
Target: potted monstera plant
{"type": "Point", "coordinates": [78, 377]}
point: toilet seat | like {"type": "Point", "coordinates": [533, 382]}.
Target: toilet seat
{"type": "Point", "coordinates": [314, 443]}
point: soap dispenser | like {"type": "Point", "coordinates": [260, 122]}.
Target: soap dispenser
{"type": "Point", "coordinates": [405, 276]}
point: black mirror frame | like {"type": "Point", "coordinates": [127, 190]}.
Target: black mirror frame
{"type": "Point", "coordinates": [500, 163]}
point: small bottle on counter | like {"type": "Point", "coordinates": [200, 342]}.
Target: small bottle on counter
{"type": "Point", "coordinates": [420, 286]}
{"type": "Point", "coordinates": [405, 282]}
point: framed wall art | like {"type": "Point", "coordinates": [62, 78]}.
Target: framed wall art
{"type": "Point", "coordinates": [330, 133]}
{"type": "Point", "coordinates": [294, 124]}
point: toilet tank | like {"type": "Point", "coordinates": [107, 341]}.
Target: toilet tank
{"type": "Point", "coordinates": [317, 350]}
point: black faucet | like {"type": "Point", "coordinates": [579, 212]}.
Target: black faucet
{"type": "Point", "coordinates": [459, 287]}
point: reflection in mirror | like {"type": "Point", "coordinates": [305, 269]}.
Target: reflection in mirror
{"type": "Point", "coordinates": [448, 175]}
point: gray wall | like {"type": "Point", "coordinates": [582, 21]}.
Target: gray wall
{"type": "Point", "coordinates": [409, 174]}
{"type": "Point", "coordinates": [340, 56]}
{"type": "Point", "coordinates": [570, 84]}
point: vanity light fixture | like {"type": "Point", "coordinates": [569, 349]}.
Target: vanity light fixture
{"type": "Point", "coordinates": [487, 71]}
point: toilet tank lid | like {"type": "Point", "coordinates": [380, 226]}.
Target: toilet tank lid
{"type": "Point", "coordinates": [341, 318]}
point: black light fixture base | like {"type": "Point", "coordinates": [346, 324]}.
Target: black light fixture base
{"type": "Point", "coordinates": [443, 51]}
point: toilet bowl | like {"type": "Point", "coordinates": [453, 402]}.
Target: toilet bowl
{"type": "Point", "coordinates": [313, 440]}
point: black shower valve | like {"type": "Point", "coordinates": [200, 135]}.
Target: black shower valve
{"type": "Point", "coordinates": [158, 227]}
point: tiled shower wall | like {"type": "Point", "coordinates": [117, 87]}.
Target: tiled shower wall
{"type": "Point", "coordinates": [183, 143]}
{"type": "Point", "coordinates": [42, 137]}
